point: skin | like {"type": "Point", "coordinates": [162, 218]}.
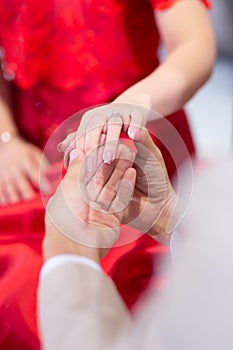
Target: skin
{"type": "Point", "coordinates": [149, 193]}
{"type": "Point", "coordinates": [19, 175]}
{"type": "Point", "coordinates": [188, 37]}
{"type": "Point", "coordinates": [186, 32]}
{"type": "Point", "coordinates": [153, 208]}
{"type": "Point", "coordinates": [154, 198]}
{"type": "Point", "coordinates": [82, 224]}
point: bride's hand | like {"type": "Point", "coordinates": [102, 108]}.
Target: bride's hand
{"type": "Point", "coordinates": [103, 125]}
{"type": "Point", "coordinates": [19, 176]}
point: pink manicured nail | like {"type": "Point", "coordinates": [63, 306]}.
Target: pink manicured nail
{"type": "Point", "coordinates": [132, 132]}
{"type": "Point", "coordinates": [108, 157]}
{"type": "Point", "coordinates": [75, 153]}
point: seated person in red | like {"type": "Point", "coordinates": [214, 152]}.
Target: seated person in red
{"type": "Point", "coordinates": [58, 58]}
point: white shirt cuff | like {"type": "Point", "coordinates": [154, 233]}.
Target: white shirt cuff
{"type": "Point", "coordinates": [60, 260]}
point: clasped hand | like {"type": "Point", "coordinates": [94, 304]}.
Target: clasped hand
{"type": "Point", "coordinates": [94, 198]}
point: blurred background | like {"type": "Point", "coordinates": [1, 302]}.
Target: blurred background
{"type": "Point", "coordinates": [211, 109]}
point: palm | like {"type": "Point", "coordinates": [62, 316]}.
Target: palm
{"type": "Point", "coordinates": [81, 221]}
{"type": "Point", "coordinates": [151, 189]}
{"type": "Point", "coordinates": [91, 203]}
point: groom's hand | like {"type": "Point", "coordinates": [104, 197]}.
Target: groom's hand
{"type": "Point", "coordinates": [84, 215]}
{"type": "Point", "coordinates": [154, 200]}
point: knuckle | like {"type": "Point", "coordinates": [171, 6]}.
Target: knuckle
{"type": "Point", "coordinates": [99, 181]}
{"type": "Point", "coordinates": [110, 188]}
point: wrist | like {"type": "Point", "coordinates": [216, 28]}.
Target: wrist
{"type": "Point", "coordinates": [136, 96]}
{"type": "Point", "coordinates": [56, 243]}
{"type": "Point", "coordinates": [8, 135]}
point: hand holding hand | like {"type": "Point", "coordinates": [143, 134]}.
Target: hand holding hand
{"type": "Point", "coordinates": [83, 217]}
{"type": "Point", "coordinates": [104, 125]}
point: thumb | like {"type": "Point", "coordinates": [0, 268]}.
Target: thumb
{"type": "Point", "coordinates": [145, 144]}
{"type": "Point", "coordinates": [76, 160]}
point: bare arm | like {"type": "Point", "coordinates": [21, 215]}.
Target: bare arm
{"type": "Point", "coordinates": [19, 174]}
{"type": "Point", "coordinates": [6, 120]}
{"type": "Point", "coordinates": [187, 34]}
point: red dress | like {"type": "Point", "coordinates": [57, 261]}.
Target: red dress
{"type": "Point", "coordinates": [91, 51]}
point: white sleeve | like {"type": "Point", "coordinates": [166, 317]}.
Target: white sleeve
{"type": "Point", "coordinates": [63, 259]}
{"type": "Point", "coordinates": [78, 304]}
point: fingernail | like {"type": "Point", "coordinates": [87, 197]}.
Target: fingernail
{"type": "Point", "coordinates": [75, 153]}
{"type": "Point", "coordinates": [132, 132]}
{"type": "Point", "coordinates": [90, 164]}
{"type": "Point", "coordinates": [108, 157]}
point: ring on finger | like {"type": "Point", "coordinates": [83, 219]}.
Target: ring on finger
{"type": "Point", "coordinates": [116, 114]}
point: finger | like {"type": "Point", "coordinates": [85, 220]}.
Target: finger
{"type": "Point", "coordinates": [92, 125]}
{"type": "Point", "coordinates": [92, 142]}
{"type": "Point", "coordinates": [44, 163]}
{"type": "Point", "coordinates": [44, 184]}
{"type": "Point", "coordinates": [31, 172]}
{"type": "Point", "coordinates": [109, 190]}
{"type": "Point", "coordinates": [114, 127]}
{"type": "Point", "coordinates": [8, 189]}
{"type": "Point", "coordinates": [76, 142]}
{"type": "Point", "coordinates": [23, 186]}
{"type": "Point", "coordinates": [92, 136]}
{"type": "Point", "coordinates": [144, 143]}
{"type": "Point", "coordinates": [75, 175]}
{"type": "Point", "coordinates": [35, 173]}
{"type": "Point", "coordinates": [94, 180]}
{"type": "Point", "coordinates": [65, 143]}
{"type": "Point", "coordinates": [3, 198]}
{"type": "Point", "coordinates": [125, 157]}
{"type": "Point", "coordinates": [136, 123]}
{"type": "Point", "coordinates": [126, 119]}
{"type": "Point", "coordinates": [76, 160]}
{"type": "Point", "coordinates": [11, 194]}
{"type": "Point", "coordinates": [91, 149]}
{"type": "Point", "coordinates": [80, 141]}
{"type": "Point", "coordinates": [125, 190]}
{"type": "Point", "coordinates": [97, 182]}
{"type": "Point", "coordinates": [124, 111]}
{"type": "Point", "coordinates": [92, 162]}
{"type": "Point", "coordinates": [67, 151]}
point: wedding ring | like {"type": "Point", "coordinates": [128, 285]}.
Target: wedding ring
{"type": "Point", "coordinates": [116, 114]}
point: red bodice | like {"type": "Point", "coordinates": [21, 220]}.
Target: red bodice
{"type": "Point", "coordinates": [63, 56]}
{"type": "Point", "coordinates": [86, 42]}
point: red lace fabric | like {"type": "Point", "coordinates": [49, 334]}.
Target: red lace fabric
{"type": "Point", "coordinates": [66, 55]}
{"type": "Point", "coordinates": [69, 43]}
